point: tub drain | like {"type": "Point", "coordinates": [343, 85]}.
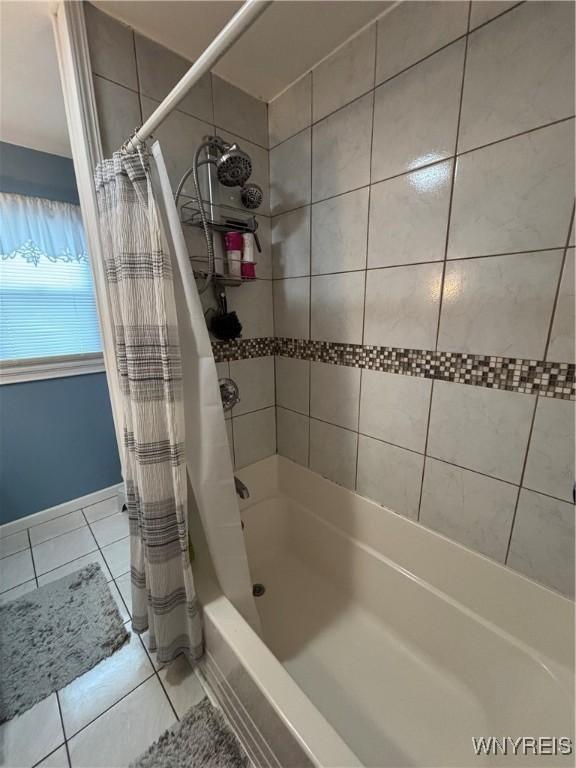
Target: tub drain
{"type": "Point", "coordinates": [258, 590]}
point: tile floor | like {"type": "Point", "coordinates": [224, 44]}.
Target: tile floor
{"type": "Point", "coordinates": [111, 714]}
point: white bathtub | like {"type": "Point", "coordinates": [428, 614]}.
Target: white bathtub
{"type": "Point", "coordinates": [404, 645]}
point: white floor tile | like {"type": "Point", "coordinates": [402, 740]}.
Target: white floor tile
{"type": "Point", "coordinates": [75, 565]}
{"type": "Point", "coordinates": [98, 689]}
{"type": "Point", "coordinates": [101, 509]}
{"type": "Point", "coordinates": [58, 759]}
{"type": "Point", "coordinates": [125, 731]}
{"type": "Point", "coordinates": [56, 527]}
{"type": "Point", "coordinates": [18, 591]}
{"type": "Point", "coordinates": [182, 685]}
{"type": "Point", "coordinates": [111, 528]}
{"type": "Point", "coordinates": [117, 555]}
{"type": "Point", "coordinates": [56, 552]}
{"type": "Point", "coordinates": [125, 586]}
{"type": "Point", "coordinates": [15, 570]}
{"type": "Point", "coordinates": [29, 737]}
{"type": "Point", "coordinates": [9, 545]}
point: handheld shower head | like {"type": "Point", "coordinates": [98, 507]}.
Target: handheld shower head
{"type": "Point", "coordinates": [233, 167]}
{"type": "Point", "coordinates": [251, 196]}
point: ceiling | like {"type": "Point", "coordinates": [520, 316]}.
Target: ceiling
{"type": "Point", "coordinates": [288, 39]}
{"type": "Point", "coordinates": [31, 102]}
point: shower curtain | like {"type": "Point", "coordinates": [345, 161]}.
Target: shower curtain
{"type": "Point", "coordinates": [141, 293]}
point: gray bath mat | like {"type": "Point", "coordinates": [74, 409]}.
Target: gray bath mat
{"type": "Point", "coordinates": [52, 635]}
{"type": "Point", "coordinates": [202, 739]}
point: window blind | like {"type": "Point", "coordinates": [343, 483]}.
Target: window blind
{"type": "Point", "coordinates": [47, 305]}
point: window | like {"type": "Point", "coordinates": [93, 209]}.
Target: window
{"type": "Point", "coordinates": [47, 304]}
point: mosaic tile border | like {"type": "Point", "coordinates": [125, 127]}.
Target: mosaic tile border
{"type": "Point", "coordinates": [549, 379]}
{"type": "Point", "coordinates": [243, 349]}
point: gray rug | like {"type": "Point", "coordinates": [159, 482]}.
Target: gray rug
{"type": "Point", "coordinates": [52, 635]}
{"type": "Point", "coordinates": [202, 739]}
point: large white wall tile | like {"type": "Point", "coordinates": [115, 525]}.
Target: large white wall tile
{"type": "Point", "coordinates": [550, 464]}
{"type": "Point", "coordinates": [293, 429]}
{"type": "Point", "coordinates": [293, 383]}
{"type": "Point", "coordinates": [335, 394]}
{"type": "Point", "coordinates": [519, 73]}
{"type": "Point", "coordinates": [481, 429]}
{"type": "Point", "coordinates": [255, 380]}
{"type": "Point", "coordinates": [395, 408]}
{"type": "Point", "coordinates": [542, 545]}
{"type": "Point", "coordinates": [337, 307]}
{"type": "Point", "coordinates": [159, 69]}
{"type": "Point", "coordinates": [516, 195]}
{"type": "Point", "coordinates": [348, 73]}
{"type": "Point", "coordinates": [473, 509]}
{"type": "Point", "coordinates": [561, 347]}
{"type": "Point", "coordinates": [339, 233]}
{"type": "Point", "coordinates": [291, 243]}
{"type": "Point", "coordinates": [341, 150]}
{"type": "Point", "coordinates": [290, 167]}
{"type": "Point", "coordinates": [500, 305]}
{"type": "Point", "coordinates": [292, 307]}
{"type": "Point", "coordinates": [416, 115]}
{"type": "Point", "coordinates": [409, 217]}
{"type": "Point", "coordinates": [118, 113]}
{"type": "Point", "coordinates": [237, 111]}
{"type": "Point", "coordinates": [402, 306]}
{"type": "Point", "coordinates": [333, 453]}
{"type": "Point", "coordinates": [253, 304]}
{"type": "Point", "coordinates": [484, 10]}
{"type": "Point", "coordinates": [416, 29]}
{"type": "Point", "coordinates": [389, 475]}
{"type": "Point", "coordinates": [254, 436]}
{"type": "Point", "coordinates": [290, 112]}
{"type": "Point", "coordinates": [111, 46]}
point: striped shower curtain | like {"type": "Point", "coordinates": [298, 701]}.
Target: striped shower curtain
{"type": "Point", "coordinates": [141, 296]}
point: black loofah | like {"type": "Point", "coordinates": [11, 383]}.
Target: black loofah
{"type": "Point", "coordinates": [226, 326]}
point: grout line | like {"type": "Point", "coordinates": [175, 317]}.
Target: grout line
{"type": "Point", "coordinates": [521, 483]}
{"type": "Point", "coordinates": [425, 451]}
{"type": "Point", "coordinates": [460, 260]}
{"type": "Point", "coordinates": [63, 729]}
{"type": "Point", "coordinates": [32, 556]}
{"type": "Point", "coordinates": [557, 294]}
{"type": "Point", "coordinates": [367, 246]}
{"type": "Point", "coordinates": [311, 128]}
{"type": "Point", "coordinates": [452, 183]}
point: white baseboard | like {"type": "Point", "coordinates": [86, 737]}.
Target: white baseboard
{"type": "Point", "coordinates": [15, 526]}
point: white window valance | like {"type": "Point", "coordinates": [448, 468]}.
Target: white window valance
{"type": "Point", "coordinates": [34, 228]}
{"type": "Point", "coordinates": [47, 304]}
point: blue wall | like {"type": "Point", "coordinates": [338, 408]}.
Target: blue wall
{"type": "Point", "coordinates": [57, 439]}
{"type": "Point", "coordinates": [57, 442]}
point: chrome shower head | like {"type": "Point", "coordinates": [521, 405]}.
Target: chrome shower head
{"type": "Point", "coordinates": [251, 196]}
{"type": "Point", "coordinates": [233, 167]}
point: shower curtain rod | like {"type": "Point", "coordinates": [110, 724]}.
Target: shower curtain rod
{"type": "Point", "coordinates": [237, 25]}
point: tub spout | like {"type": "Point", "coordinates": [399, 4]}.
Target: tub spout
{"type": "Point", "coordinates": [241, 489]}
